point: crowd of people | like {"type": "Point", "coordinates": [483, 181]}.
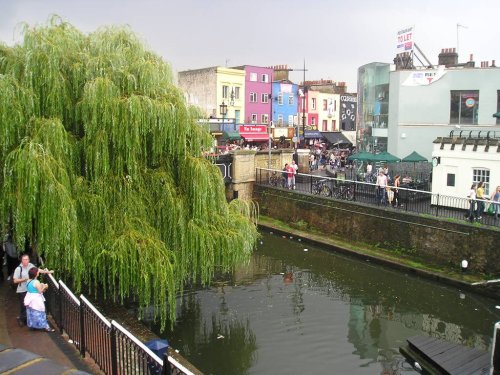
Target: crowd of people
{"type": "Point", "coordinates": [478, 199]}
{"type": "Point", "coordinates": [23, 276]}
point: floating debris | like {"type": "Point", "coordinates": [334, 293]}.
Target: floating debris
{"type": "Point", "coordinates": [306, 249]}
{"type": "Point", "coordinates": [270, 232]}
{"type": "Point", "coordinates": [300, 240]}
{"type": "Point", "coordinates": [262, 242]}
{"type": "Point", "coordinates": [219, 336]}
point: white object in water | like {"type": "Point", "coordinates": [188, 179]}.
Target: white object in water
{"type": "Point", "coordinates": [306, 249]}
{"type": "Point", "coordinates": [219, 336]}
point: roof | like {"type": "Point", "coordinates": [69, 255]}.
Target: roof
{"type": "Point", "coordinates": [336, 138]}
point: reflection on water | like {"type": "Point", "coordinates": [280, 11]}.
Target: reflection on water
{"type": "Point", "coordinates": [292, 311]}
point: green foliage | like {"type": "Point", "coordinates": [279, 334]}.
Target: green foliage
{"type": "Point", "coordinates": [102, 167]}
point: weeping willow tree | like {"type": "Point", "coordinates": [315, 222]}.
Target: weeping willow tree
{"type": "Point", "coordinates": [102, 167]}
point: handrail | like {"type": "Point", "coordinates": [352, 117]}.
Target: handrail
{"type": "Point", "coordinates": [95, 311]}
{"type": "Point", "coordinates": [70, 293]}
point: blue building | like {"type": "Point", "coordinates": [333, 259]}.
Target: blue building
{"type": "Point", "coordinates": [285, 104]}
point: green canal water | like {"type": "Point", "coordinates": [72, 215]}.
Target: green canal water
{"type": "Point", "coordinates": [291, 311]}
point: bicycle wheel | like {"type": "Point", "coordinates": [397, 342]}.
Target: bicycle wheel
{"type": "Point", "coordinates": [349, 194]}
{"type": "Point", "coordinates": [325, 191]}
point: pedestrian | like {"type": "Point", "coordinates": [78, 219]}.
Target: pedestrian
{"type": "Point", "coordinates": [381, 186]}
{"type": "Point", "coordinates": [291, 176]}
{"type": "Point", "coordinates": [284, 174]}
{"type": "Point", "coordinates": [21, 278]}
{"type": "Point", "coordinates": [295, 171]}
{"type": "Point", "coordinates": [35, 302]}
{"type": "Point", "coordinates": [480, 200]}
{"type": "Point", "coordinates": [472, 202]}
{"type": "Point", "coordinates": [369, 169]}
{"type": "Point", "coordinates": [12, 255]}
{"type": "Point", "coordinates": [395, 189]}
{"type": "Point", "coordinates": [495, 201]}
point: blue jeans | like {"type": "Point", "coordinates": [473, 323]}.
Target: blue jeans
{"type": "Point", "coordinates": [480, 208]}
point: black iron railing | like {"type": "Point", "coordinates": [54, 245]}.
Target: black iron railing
{"type": "Point", "coordinates": [113, 348]}
{"type": "Point", "coordinates": [403, 198]}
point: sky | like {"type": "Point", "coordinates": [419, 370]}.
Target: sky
{"type": "Point", "coordinates": [334, 38]}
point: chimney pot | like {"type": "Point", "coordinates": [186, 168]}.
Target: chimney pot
{"type": "Point", "coordinates": [493, 64]}
{"type": "Point", "coordinates": [471, 57]}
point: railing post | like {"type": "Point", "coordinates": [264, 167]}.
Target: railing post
{"type": "Point", "coordinates": [82, 330]}
{"type": "Point", "coordinates": [114, 355]}
{"type": "Point", "coordinates": [60, 312]}
{"type": "Point", "coordinates": [310, 184]}
{"type": "Point", "coordinates": [437, 205]}
{"type": "Point", "coordinates": [166, 365]}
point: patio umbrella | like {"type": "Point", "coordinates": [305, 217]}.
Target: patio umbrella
{"type": "Point", "coordinates": [361, 156]}
{"type": "Point", "coordinates": [386, 156]}
{"type": "Point", "coordinates": [414, 157]}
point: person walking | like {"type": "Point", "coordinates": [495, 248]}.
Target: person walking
{"type": "Point", "coordinates": [295, 170]}
{"type": "Point", "coordinates": [20, 278]}
{"type": "Point", "coordinates": [495, 201]}
{"type": "Point", "coordinates": [291, 177]}
{"type": "Point", "coordinates": [35, 302]}
{"type": "Point", "coordinates": [472, 202]}
{"type": "Point", "coordinates": [480, 200]}
{"type": "Point", "coordinates": [369, 170]}
{"type": "Point", "coordinates": [395, 189]}
{"type": "Point", "coordinates": [381, 186]}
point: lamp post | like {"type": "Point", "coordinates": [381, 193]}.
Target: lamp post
{"type": "Point", "coordinates": [270, 130]}
{"type": "Point", "coordinates": [223, 112]}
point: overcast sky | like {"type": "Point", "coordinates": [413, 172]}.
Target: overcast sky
{"type": "Point", "coordinates": [334, 37]}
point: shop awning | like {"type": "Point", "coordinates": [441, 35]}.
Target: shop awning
{"type": "Point", "coordinates": [311, 134]}
{"type": "Point", "coordinates": [252, 137]}
{"type": "Point", "coordinates": [231, 136]}
{"type": "Point", "coordinates": [253, 133]}
{"type": "Point", "coordinates": [336, 138]}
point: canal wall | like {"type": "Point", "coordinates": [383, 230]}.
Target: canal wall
{"type": "Point", "coordinates": [425, 239]}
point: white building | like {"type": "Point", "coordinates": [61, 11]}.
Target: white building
{"type": "Point", "coordinates": [406, 109]}
{"type": "Point", "coordinates": [463, 159]}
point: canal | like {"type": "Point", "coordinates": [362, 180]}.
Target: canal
{"type": "Point", "coordinates": [300, 309]}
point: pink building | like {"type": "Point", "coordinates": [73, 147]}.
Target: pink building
{"type": "Point", "coordinates": [312, 110]}
{"type": "Point", "coordinates": [258, 87]}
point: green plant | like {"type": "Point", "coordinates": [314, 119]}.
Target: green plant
{"type": "Point", "coordinates": [103, 169]}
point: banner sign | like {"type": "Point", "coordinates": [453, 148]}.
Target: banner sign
{"type": "Point", "coordinates": [425, 77]}
{"type": "Point", "coordinates": [405, 40]}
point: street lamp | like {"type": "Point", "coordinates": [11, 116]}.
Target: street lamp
{"type": "Point", "coordinates": [223, 112]}
{"type": "Point", "coordinates": [270, 131]}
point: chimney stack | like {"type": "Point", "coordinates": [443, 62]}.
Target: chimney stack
{"type": "Point", "coordinates": [448, 57]}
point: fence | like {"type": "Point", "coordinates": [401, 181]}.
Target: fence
{"type": "Point", "coordinates": [114, 349]}
{"type": "Point", "coordinates": [404, 198]}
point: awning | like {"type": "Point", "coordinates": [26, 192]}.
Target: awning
{"type": "Point", "coordinates": [310, 134]}
{"type": "Point", "coordinates": [232, 136]}
{"type": "Point", "coordinates": [336, 138]}
{"type": "Point", "coordinates": [255, 137]}
{"type": "Point", "coordinates": [254, 132]}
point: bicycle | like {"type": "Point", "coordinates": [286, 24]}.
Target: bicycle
{"type": "Point", "coordinates": [320, 187]}
{"type": "Point", "coordinates": [276, 179]}
{"type": "Point", "coordinates": [345, 192]}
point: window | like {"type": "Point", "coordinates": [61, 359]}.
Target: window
{"type": "Point", "coordinates": [464, 107]}
{"type": "Point", "coordinates": [313, 103]}
{"type": "Point", "coordinates": [254, 118]}
{"type": "Point", "coordinates": [482, 174]}
{"type": "Point", "coordinates": [236, 93]}
{"type": "Point", "coordinates": [290, 100]}
{"type": "Point", "coordinates": [225, 90]}
{"type": "Point", "coordinates": [237, 115]}
{"type": "Point", "coordinates": [265, 78]}
{"type": "Point", "coordinates": [450, 179]}
{"type": "Point", "coordinates": [325, 105]}
{"type": "Point", "coordinates": [313, 120]}
{"type": "Point", "coordinates": [253, 77]}
{"type": "Point", "coordinates": [290, 120]}
{"type": "Point", "coordinates": [280, 98]}
{"type": "Point", "coordinates": [280, 119]}
{"type": "Point", "coordinates": [334, 125]}
{"type": "Point", "coordinates": [325, 125]}
{"type": "Point", "coordinates": [264, 118]}
{"type": "Point", "coordinates": [265, 98]}
{"type": "Point", "coordinates": [253, 97]}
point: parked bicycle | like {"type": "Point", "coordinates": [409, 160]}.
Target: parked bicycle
{"type": "Point", "coordinates": [344, 191]}
{"type": "Point", "coordinates": [276, 179]}
{"type": "Point", "coordinates": [320, 187]}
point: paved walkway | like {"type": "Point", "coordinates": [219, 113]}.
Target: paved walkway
{"type": "Point", "coordinates": [24, 349]}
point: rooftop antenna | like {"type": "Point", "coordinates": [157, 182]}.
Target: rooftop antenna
{"type": "Point", "coordinates": [458, 27]}
{"type": "Point", "coordinates": [227, 61]}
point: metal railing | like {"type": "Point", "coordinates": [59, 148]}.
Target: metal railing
{"type": "Point", "coordinates": [113, 348]}
{"type": "Point", "coordinates": [403, 198]}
